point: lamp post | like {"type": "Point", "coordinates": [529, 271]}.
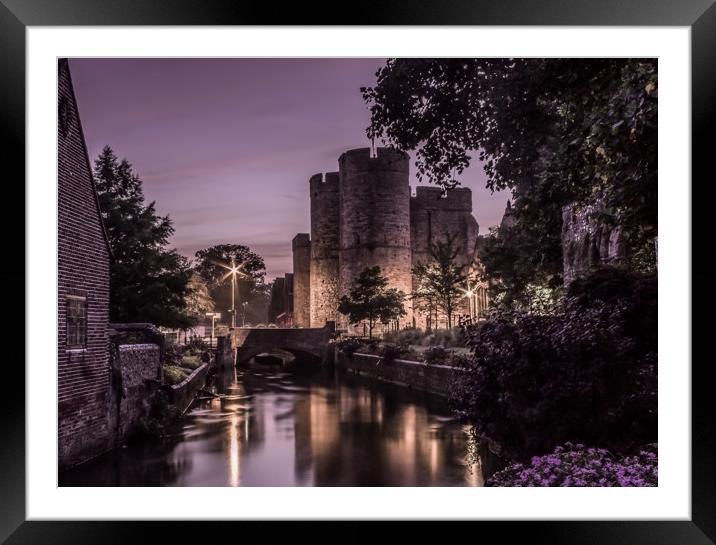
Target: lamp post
{"type": "Point", "coordinates": [471, 303]}
{"type": "Point", "coordinates": [233, 271]}
{"type": "Point", "coordinates": [213, 316]}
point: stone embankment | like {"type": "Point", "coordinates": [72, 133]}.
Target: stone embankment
{"type": "Point", "coordinates": [182, 395]}
{"type": "Point", "coordinates": [428, 377]}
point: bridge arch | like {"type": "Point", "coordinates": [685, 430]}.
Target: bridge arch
{"type": "Point", "coordinates": [305, 343]}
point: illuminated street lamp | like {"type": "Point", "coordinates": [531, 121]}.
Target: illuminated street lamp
{"type": "Point", "coordinates": [234, 270]}
{"type": "Point", "coordinates": [471, 303]}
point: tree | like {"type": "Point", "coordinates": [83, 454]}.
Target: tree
{"type": "Point", "coordinates": [370, 299]}
{"type": "Point", "coordinates": [148, 281]}
{"type": "Point", "coordinates": [212, 264]}
{"type": "Point", "coordinates": [198, 301]}
{"type": "Point", "coordinates": [441, 280]}
{"type": "Point", "coordinates": [552, 131]}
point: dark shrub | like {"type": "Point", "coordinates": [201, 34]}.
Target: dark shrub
{"type": "Point", "coordinates": [587, 375]}
{"type": "Point", "coordinates": [174, 374]}
{"type": "Point", "coordinates": [448, 338]}
{"type": "Point", "coordinates": [348, 346]}
{"type": "Point", "coordinates": [197, 345]}
{"type": "Point", "coordinates": [390, 352]}
{"type": "Point", "coordinates": [405, 336]}
{"type": "Point", "coordinates": [173, 355]}
{"type": "Point", "coordinates": [576, 465]}
{"type": "Point", "coordinates": [460, 360]}
{"type": "Point", "coordinates": [435, 354]}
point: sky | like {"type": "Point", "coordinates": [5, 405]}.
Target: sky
{"type": "Point", "coordinates": [226, 146]}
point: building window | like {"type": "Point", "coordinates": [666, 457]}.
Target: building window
{"type": "Point", "coordinates": [76, 322]}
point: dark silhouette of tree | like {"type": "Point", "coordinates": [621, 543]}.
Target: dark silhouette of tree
{"type": "Point", "coordinates": [148, 281]}
{"type": "Point", "coordinates": [371, 300]}
{"type": "Point", "coordinates": [211, 263]}
{"type": "Point", "coordinates": [553, 131]}
{"type": "Point", "coordinates": [441, 281]}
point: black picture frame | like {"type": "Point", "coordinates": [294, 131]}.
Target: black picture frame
{"type": "Point", "coordinates": [16, 15]}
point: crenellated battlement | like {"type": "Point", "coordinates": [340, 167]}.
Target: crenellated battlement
{"type": "Point", "coordinates": [385, 160]}
{"type": "Point", "coordinates": [427, 197]}
{"type": "Point", "coordinates": [324, 180]}
{"type": "Point", "coordinates": [301, 240]}
{"type": "Point", "coordinates": [363, 216]}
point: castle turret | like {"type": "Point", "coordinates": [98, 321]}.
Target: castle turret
{"type": "Point", "coordinates": [301, 245]}
{"type": "Point", "coordinates": [375, 218]}
{"type": "Point", "coordinates": [434, 215]}
{"type": "Point", "coordinates": [324, 248]}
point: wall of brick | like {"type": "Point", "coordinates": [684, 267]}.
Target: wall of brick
{"type": "Point", "coordinates": [83, 270]}
{"type": "Point", "coordinates": [432, 378]}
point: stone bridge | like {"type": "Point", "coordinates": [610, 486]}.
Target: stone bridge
{"type": "Point", "coordinates": [304, 343]}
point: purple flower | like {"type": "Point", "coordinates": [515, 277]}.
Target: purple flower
{"type": "Point", "coordinates": [577, 465]}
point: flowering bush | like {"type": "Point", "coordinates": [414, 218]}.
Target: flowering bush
{"type": "Point", "coordinates": [576, 465]}
{"type": "Point", "coordinates": [588, 374]}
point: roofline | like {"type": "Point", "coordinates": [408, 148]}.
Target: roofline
{"type": "Point", "coordinates": [86, 154]}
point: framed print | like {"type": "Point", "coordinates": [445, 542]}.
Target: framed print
{"type": "Point", "coordinates": [432, 263]}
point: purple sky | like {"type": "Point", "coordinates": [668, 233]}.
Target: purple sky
{"type": "Point", "coordinates": [226, 146]}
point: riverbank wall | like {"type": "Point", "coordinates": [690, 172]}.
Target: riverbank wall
{"type": "Point", "coordinates": [433, 378]}
{"type": "Point", "coordinates": [136, 378]}
{"type": "Point", "coordinates": [182, 395]}
{"type": "Point", "coordinates": [225, 353]}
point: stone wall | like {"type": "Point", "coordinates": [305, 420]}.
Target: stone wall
{"type": "Point", "coordinates": [182, 395]}
{"type": "Point", "coordinates": [375, 219]}
{"type": "Point", "coordinates": [587, 241]}
{"type": "Point", "coordinates": [301, 342]}
{"type": "Point", "coordinates": [301, 246]}
{"type": "Point", "coordinates": [363, 216]}
{"type": "Point", "coordinates": [225, 354]}
{"type": "Point", "coordinates": [83, 257]}
{"type": "Point", "coordinates": [280, 310]}
{"type": "Point", "coordinates": [137, 377]}
{"type": "Point", "coordinates": [432, 378]}
{"type": "Point", "coordinates": [432, 218]}
{"type": "Point", "coordinates": [324, 248]}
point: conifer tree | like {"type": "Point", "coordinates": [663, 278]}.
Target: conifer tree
{"type": "Point", "coordinates": [148, 280]}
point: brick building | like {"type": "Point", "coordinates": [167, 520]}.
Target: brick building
{"type": "Point", "coordinates": [83, 258]}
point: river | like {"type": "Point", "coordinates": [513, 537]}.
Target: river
{"type": "Point", "coordinates": [269, 427]}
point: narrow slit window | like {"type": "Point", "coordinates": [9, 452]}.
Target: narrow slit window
{"type": "Point", "coordinates": [76, 322]}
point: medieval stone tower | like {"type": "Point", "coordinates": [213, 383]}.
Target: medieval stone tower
{"type": "Point", "coordinates": [363, 216]}
{"type": "Point", "coordinates": [325, 206]}
{"type": "Point", "coordinates": [375, 218]}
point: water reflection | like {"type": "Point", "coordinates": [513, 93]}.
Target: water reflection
{"type": "Point", "coordinates": [271, 428]}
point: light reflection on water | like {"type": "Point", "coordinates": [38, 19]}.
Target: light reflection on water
{"type": "Point", "coordinates": [270, 428]}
